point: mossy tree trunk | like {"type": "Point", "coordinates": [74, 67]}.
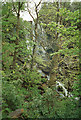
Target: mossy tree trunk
{"type": "Point", "coordinates": [54, 62]}
{"type": "Point", "coordinates": [35, 20]}
{"type": "Point", "coordinates": [17, 32]}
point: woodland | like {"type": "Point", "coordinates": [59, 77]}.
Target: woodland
{"type": "Point", "coordinates": [41, 61]}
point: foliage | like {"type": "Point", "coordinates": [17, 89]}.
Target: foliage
{"type": "Point", "coordinates": [32, 78]}
{"type": "Point", "coordinates": [13, 98]}
{"type": "Point", "coordinates": [50, 106]}
{"type": "Point", "coordinates": [26, 88]}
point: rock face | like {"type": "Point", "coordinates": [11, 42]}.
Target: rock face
{"type": "Point", "coordinates": [68, 69]}
{"type": "Point", "coordinates": [62, 68]}
{"type": "Point", "coordinates": [65, 70]}
{"type": "Point", "coordinates": [45, 69]}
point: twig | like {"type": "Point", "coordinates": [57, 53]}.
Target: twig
{"type": "Point", "coordinates": [14, 7]}
{"type": "Point", "coordinates": [30, 12]}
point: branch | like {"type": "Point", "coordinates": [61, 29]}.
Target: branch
{"type": "Point", "coordinates": [36, 10]}
{"type": "Point", "coordinates": [21, 4]}
{"type": "Point", "coordinates": [30, 12]}
{"type": "Point", "coordinates": [14, 7]}
{"type": "Point", "coordinates": [3, 17]}
{"type": "Point", "coordinates": [39, 3]}
{"type": "Point", "coordinates": [36, 6]}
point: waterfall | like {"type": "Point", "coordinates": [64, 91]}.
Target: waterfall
{"type": "Point", "coordinates": [42, 74]}
{"type": "Point", "coordinates": [48, 77]}
{"type": "Point", "coordinates": [61, 87]}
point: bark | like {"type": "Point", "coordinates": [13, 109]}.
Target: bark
{"type": "Point", "coordinates": [35, 31]}
{"type": "Point", "coordinates": [54, 62]}
{"type": "Point", "coordinates": [34, 46]}
{"type": "Point", "coordinates": [17, 33]}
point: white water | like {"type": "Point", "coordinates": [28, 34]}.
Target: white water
{"type": "Point", "coordinates": [48, 77]}
{"type": "Point", "coordinates": [42, 74]}
{"type": "Point", "coordinates": [62, 86]}
{"type": "Point", "coordinates": [59, 84]}
{"type": "Point", "coordinates": [65, 91]}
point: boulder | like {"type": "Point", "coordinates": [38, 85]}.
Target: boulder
{"type": "Point", "coordinates": [17, 113]}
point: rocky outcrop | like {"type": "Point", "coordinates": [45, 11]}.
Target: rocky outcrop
{"type": "Point", "coordinates": [17, 113]}
{"type": "Point", "coordinates": [68, 70]}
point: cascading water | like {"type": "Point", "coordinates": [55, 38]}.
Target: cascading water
{"type": "Point", "coordinates": [60, 87]}
{"type": "Point", "coordinates": [42, 74]}
{"type": "Point", "coordinates": [48, 77]}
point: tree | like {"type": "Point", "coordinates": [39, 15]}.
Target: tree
{"type": "Point", "coordinates": [23, 86]}
{"type": "Point", "coordinates": [70, 33]}
{"type": "Point", "coordinates": [52, 33]}
{"type": "Point", "coordinates": [17, 9]}
{"type": "Point", "coordinates": [36, 22]}
{"type": "Point", "coordinates": [14, 56]}
{"type": "Point", "coordinates": [61, 34]}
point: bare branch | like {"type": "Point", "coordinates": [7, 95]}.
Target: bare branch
{"type": "Point", "coordinates": [36, 8]}
{"type": "Point", "coordinates": [39, 3]}
{"type": "Point", "coordinates": [30, 12]}
{"type": "Point", "coordinates": [14, 7]}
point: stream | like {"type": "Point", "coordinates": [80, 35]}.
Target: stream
{"type": "Point", "coordinates": [63, 92]}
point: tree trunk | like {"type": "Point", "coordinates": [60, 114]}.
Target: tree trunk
{"type": "Point", "coordinates": [54, 62]}
{"type": "Point", "coordinates": [34, 47]}
{"type": "Point", "coordinates": [17, 38]}
{"type": "Point", "coordinates": [36, 24]}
